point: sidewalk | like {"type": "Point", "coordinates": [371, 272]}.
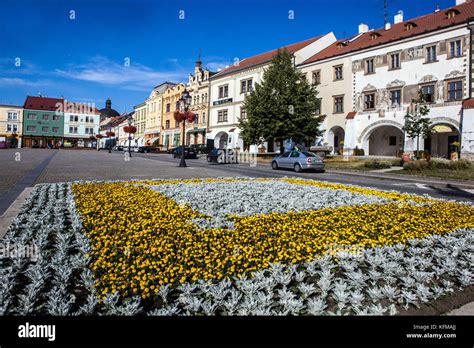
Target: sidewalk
{"type": "Point", "coordinates": [419, 179]}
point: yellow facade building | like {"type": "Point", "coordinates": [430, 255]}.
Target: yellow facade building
{"type": "Point", "coordinates": [11, 120]}
{"type": "Point", "coordinates": [171, 135]}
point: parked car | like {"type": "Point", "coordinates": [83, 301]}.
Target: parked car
{"type": "Point", "coordinates": [222, 156]}
{"type": "Point", "coordinates": [143, 149]}
{"type": "Point", "coordinates": [299, 161]}
{"type": "Point", "coordinates": [188, 152]}
{"type": "Point", "coordinates": [200, 148]}
{"type": "Point", "coordinates": [118, 148]}
{"type": "Point", "coordinates": [171, 150]}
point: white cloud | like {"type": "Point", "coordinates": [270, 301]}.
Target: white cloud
{"type": "Point", "coordinates": [16, 82]}
{"type": "Point", "coordinates": [135, 77]}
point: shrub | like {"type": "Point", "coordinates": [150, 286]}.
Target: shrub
{"type": "Point", "coordinates": [358, 152]}
{"type": "Point", "coordinates": [377, 164]}
{"type": "Point", "coordinates": [416, 165]}
{"type": "Point", "coordinates": [396, 162]}
{"type": "Point", "coordinates": [442, 163]}
{"type": "Point", "coordinates": [460, 164]}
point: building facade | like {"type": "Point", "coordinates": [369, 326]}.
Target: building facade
{"type": "Point", "coordinates": [140, 114]}
{"type": "Point", "coordinates": [153, 124]}
{"type": "Point", "coordinates": [198, 87]}
{"type": "Point", "coordinates": [81, 124]}
{"type": "Point", "coordinates": [11, 120]}
{"type": "Point", "coordinates": [171, 135]}
{"type": "Point", "coordinates": [229, 87]}
{"type": "Point", "coordinates": [43, 122]}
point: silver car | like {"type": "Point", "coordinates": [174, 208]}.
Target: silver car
{"type": "Point", "coordinates": [299, 161]}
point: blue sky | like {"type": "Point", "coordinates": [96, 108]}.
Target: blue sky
{"type": "Point", "coordinates": [82, 59]}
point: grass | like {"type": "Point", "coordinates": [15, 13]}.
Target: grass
{"type": "Point", "coordinates": [462, 174]}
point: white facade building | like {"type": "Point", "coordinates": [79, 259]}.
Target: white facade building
{"type": "Point", "coordinates": [229, 87]}
{"type": "Point", "coordinates": [81, 122]}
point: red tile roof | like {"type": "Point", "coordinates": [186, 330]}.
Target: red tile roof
{"type": "Point", "coordinates": [468, 103]}
{"type": "Point", "coordinates": [424, 24]}
{"type": "Point", "coordinates": [351, 115]}
{"type": "Point", "coordinates": [264, 57]}
{"type": "Point", "coordinates": [43, 103]}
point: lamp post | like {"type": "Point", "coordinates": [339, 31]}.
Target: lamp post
{"type": "Point", "coordinates": [184, 103]}
{"type": "Point", "coordinates": [109, 134]}
{"type": "Point", "coordinates": [130, 130]}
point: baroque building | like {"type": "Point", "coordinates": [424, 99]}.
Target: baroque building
{"type": "Point", "coordinates": [198, 87]}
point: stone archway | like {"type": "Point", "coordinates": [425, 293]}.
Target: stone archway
{"type": "Point", "coordinates": [442, 142]}
{"type": "Point", "coordinates": [384, 140]}
{"type": "Point", "coordinates": [221, 139]}
{"type": "Point", "coordinates": [335, 138]}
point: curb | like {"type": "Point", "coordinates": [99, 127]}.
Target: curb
{"type": "Point", "coordinates": [469, 185]}
{"type": "Point", "coordinates": [12, 212]}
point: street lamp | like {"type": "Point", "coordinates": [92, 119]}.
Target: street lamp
{"type": "Point", "coordinates": [184, 103]}
{"type": "Point", "coordinates": [130, 131]}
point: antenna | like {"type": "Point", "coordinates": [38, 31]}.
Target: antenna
{"type": "Point", "coordinates": [384, 12]}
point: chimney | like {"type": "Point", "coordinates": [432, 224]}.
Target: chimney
{"type": "Point", "coordinates": [437, 8]}
{"type": "Point", "coordinates": [363, 28]}
{"type": "Point", "coordinates": [459, 2]}
{"type": "Point", "coordinates": [398, 17]}
{"type": "Point", "coordinates": [387, 26]}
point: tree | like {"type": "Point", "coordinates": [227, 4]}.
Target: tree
{"type": "Point", "coordinates": [282, 106]}
{"type": "Point", "coordinates": [416, 123]}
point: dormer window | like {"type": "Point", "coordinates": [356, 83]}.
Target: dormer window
{"type": "Point", "coordinates": [410, 26]}
{"type": "Point", "coordinates": [341, 45]}
{"type": "Point", "coordinates": [374, 36]}
{"type": "Point", "coordinates": [452, 13]}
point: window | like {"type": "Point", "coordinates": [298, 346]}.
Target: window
{"type": "Point", "coordinates": [395, 98]}
{"type": "Point", "coordinates": [223, 91]}
{"type": "Point", "coordinates": [243, 114]}
{"type": "Point", "coordinates": [12, 128]}
{"type": "Point", "coordinates": [203, 117]}
{"type": "Point", "coordinates": [295, 154]}
{"type": "Point", "coordinates": [369, 66]}
{"type": "Point", "coordinates": [55, 129]}
{"type": "Point", "coordinates": [428, 93]}
{"type": "Point", "coordinates": [246, 86]}
{"type": "Point", "coordinates": [196, 119]}
{"type": "Point", "coordinates": [87, 119]}
{"type": "Point", "coordinates": [176, 124]}
{"type": "Point", "coordinates": [55, 117]}
{"type": "Point", "coordinates": [395, 61]}
{"type": "Point", "coordinates": [222, 116]}
{"type": "Point", "coordinates": [318, 106]}
{"type": "Point", "coordinates": [167, 125]}
{"type": "Point", "coordinates": [45, 117]}
{"type": "Point", "coordinates": [455, 49]}
{"type": "Point", "coordinates": [73, 130]}
{"type": "Point", "coordinates": [168, 107]}
{"type": "Point", "coordinates": [31, 116]}
{"type": "Point", "coordinates": [73, 118]}
{"type": "Point", "coordinates": [316, 77]}
{"type": "Point", "coordinates": [430, 54]}
{"type": "Point", "coordinates": [338, 104]}
{"type": "Point", "coordinates": [197, 99]}
{"type": "Point", "coordinates": [369, 101]}
{"type": "Point", "coordinates": [31, 128]}
{"type": "Point", "coordinates": [338, 72]}
{"type": "Point", "coordinates": [455, 90]}
{"type": "Point", "coordinates": [45, 129]}
{"type": "Point", "coordinates": [392, 141]}
{"type": "Point", "coordinates": [12, 115]}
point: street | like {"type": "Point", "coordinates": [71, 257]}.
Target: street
{"type": "Point", "coordinates": [25, 167]}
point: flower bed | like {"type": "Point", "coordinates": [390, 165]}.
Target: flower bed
{"type": "Point", "coordinates": [233, 246]}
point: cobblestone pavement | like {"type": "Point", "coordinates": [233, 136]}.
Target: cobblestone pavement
{"type": "Point", "coordinates": [16, 163]}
